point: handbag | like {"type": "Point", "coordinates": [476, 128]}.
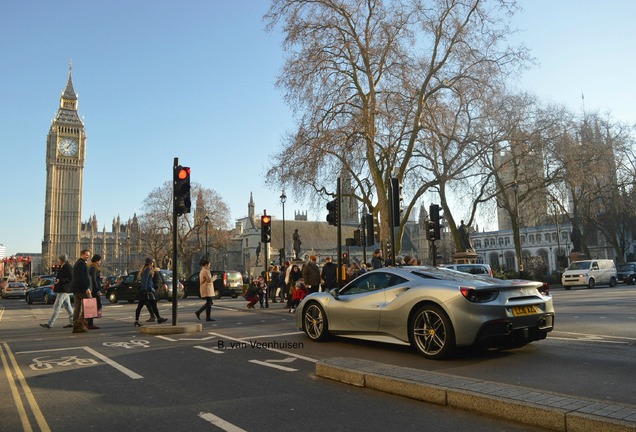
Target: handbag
{"type": "Point", "coordinates": [90, 307]}
{"type": "Point", "coordinates": [150, 295]}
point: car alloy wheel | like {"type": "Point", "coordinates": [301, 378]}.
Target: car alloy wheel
{"type": "Point", "coordinates": [432, 333]}
{"type": "Point", "coordinates": [315, 322]}
{"type": "Point", "coordinates": [112, 297]}
{"type": "Point", "coordinates": [47, 299]}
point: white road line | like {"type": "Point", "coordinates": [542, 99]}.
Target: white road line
{"type": "Point", "coordinates": [302, 357]}
{"type": "Point", "coordinates": [220, 423]}
{"type": "Point", "coordinates": [212, 350]}
{"type": "Point", "coordinates": [594, 336]}
{"type": "Point", "coordinates": [275, 366]}
{"type": "Point", "coordinates": [114, 364]}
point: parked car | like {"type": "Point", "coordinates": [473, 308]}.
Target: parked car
{"type": "Point", "coordinates": [589, 273]}
{"type": "Point", "coordinates": [626, 273]}
{"type": "Point", "coordinates": [432, 309]}
{"type": "Point", "coordinates": [227, 283]}
{"type": "Point", "coordinates": [41, 290]}
{"type": "Point", "coordinates": [128, 288]}
{"type": "Point", "coordinates": [14, 289]}
{"type": "Point", "coordinates": [470, 268]}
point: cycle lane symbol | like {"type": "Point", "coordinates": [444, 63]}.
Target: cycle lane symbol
{"type": "Point", "coordinates": [129, 344]}
{"type": "Point", "coordinates": [44, 363]}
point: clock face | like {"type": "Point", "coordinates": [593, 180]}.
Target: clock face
{"type": "Point", "coordinates": [68, 147]}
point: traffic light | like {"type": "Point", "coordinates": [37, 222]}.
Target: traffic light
{"type": "Point", "coordinates": [332, 217]}
{"type": "Point", "coordinates": [181, 177]}
{"type": "Point", "coordinates": [436, 218]}
{"type": "Point", "coordinates": [396, 197]}
{"type": "Point", "coordinates": [357, 237]}
{"type": "Point", "coordinates": [266, 229]}
{"type": "Point", "coordinates": [430, 230]}
{"type": "Point", "coordinates": [368, 226]}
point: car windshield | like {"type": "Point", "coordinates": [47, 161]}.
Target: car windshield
{"type": "Point", "coordinates": [167, 275]}
{"type": "Point", "coordinates": [626, 267]}
{"type": "Point", "coordinates": [454, 275]}
{"type": "Point", "coordinates": [580, 265]}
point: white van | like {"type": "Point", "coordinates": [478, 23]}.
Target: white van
{"type": "Point", "coordinates": [589, 273]}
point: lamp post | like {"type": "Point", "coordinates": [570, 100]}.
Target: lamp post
{"type": "Point", "coordinates": [283, 198]}
{"type": "Point", "coordinates": [127, 252]}
{"type": "Point", "coordinates": [206, 219]}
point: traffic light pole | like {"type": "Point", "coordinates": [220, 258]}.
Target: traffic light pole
{"type": "Point", "coordinates": [265, 273]}
{"type": "Point", "coordinates": [392, 223]}
{"type": "Point", "coordinates": [175, 279]}
{"type": "Point", "coordinates": [339, 272]}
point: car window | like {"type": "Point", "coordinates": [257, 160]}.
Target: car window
{"type": "Point", "coordinates": [372, 282]}
{"type": "Point", "coordinates": [194, 277]}
{"type": "Point", "coordinates": [130, 278]}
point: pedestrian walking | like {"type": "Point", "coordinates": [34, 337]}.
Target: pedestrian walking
{"type": "Point", "coordinates": [377, 260]}
{"type": "Point", "coordinates": [62, 289]}
{"type": "Point", "coordinates": [206, 287]}
{"type": "Point", "coordinates": [148, 292]}
{"type": "Point", "coordinates": [96, 286]}
{"type": "Point", "coordinates": [81, 286]}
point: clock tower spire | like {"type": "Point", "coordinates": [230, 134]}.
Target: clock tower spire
{"type": "Point", "coordinates": [65, 157]}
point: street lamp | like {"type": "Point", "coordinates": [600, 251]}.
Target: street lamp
{"type": "Point", "coordinates": [127, 252]}
{"type": "Point", "coordinates": [283, 198]}
{"type": "Point", "coordinates": [206, 219]}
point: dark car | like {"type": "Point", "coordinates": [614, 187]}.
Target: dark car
{"type": "Point", "coordinates": [128, 288]}
{"type": "Point", "coordinates": [626, 272]}
{"type": "Point", "coordinates": [227, 283]}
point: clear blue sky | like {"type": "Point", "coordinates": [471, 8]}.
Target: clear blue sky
{"type": "Point", "coordinates": [195, 80]}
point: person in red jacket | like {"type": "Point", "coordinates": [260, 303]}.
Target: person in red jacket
{"type": "Point", "coordinates": [299, 294]}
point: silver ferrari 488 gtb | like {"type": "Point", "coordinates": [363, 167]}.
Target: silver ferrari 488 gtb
{"type": "Point", "coordinates": [435, 310]}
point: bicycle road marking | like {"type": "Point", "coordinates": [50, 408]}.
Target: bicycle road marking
{"type": "Point", "coordinates": [128, 345]}
{"type": "Point", "coordinates": [108, 361]}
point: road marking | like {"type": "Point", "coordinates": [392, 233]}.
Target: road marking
{"type": "Point", "coordinates": [187, 339]}
{"type": "Point", "coordinates": [220, 423]}
{"type": "Point", "coordinates": [37, 413]}
{"type": "Point", "coordinates": [275, 366]}
{"type": "Point", "coordinates": [212, 350]}
{"type": "Point", "coordinates": [128, 345]}
{"type": "Point", "coordinates": [246, 340]}
{"type": "Point", "coordinates": [591, 337]}
{"type": "Point", "coordinates": [102, 357]}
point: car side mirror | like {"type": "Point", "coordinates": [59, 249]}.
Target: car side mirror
{"type": "Point", "coordinates": [334, 292]}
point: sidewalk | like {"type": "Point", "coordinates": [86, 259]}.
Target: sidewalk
{"type": "Point", "coordinates": [533, 407]}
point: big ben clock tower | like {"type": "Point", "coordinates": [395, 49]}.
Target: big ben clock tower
{"type": "Point", "coordinates": [65, 156]}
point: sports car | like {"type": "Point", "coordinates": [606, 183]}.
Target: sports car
{"type": "Point", "coordinates": [435, 310]}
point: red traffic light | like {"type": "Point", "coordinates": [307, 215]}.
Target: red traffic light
{"type": "Point", "coordinates": [184, 173]}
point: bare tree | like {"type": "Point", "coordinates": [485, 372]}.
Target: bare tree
{"type": "Point", "coordinates": [157, 224]}
{"type": "Point", "coordinates": [367, 80]}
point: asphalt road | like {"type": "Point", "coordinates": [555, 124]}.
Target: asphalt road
{"type": "Point", "coordinates": [223, 378]}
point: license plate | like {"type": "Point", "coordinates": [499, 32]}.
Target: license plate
{"type": "Point", "coordinates": [524, 310]}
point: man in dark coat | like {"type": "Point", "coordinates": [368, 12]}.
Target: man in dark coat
{"type": "Point", "coordinates": [328, 275]}
{"type": "Point", "coordinates": [311, 275]}
{"type": "Point", "coordinates": [62, 289]}
{"type": "Point", "coordinates": [81, 286]}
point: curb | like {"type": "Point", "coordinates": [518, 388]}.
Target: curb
{"type": "Point", "coordinates": [533, 407]}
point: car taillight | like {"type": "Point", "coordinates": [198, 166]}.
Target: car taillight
{"type": "Point", "coordinates": [476, 296]}
{"type": "Point", "coordinates": [545, 289]}
{"type": "Point", "coordinates": [224, 279]}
